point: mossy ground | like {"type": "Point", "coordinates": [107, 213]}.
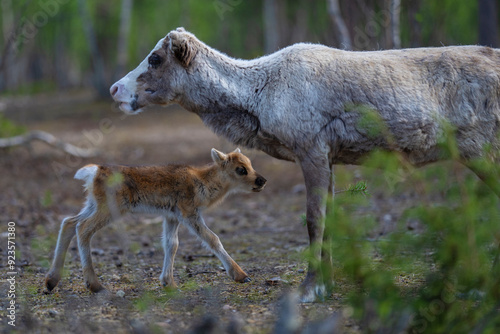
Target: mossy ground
{"type": "Point", "coordinates": [263, 232]}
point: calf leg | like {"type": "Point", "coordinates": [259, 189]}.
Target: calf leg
{"type": "Point", "coordinates": [317, 175]}
{"type": "Point", "coordinates": [84, 232]}
{"type": "Point", "coordinates": [170, 243]}
{"type": "Point", "coordinates": [66, 234]}
{"type": "Point", "coordinates": [197, 225]}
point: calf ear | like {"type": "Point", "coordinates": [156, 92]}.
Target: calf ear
{"type": "Point", "coordinates": [218, 156]}
{"type": "Point", "coordinates": [237, 150]}
{"type": "Point", "coordinates": [182, 47]}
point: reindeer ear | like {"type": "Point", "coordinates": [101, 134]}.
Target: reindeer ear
{"type": "Point", "coordinates": [237, 150]}
{"type": "Point", "coordinates": [218, 156]}
{"type": "Point", "coordinates": [182, 46]}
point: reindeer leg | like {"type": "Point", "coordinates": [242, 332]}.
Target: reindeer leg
{"type": "Point", "coordinates": [196, 224]}
{"type": "Point", "coordinates": [66, 234]}
{"type": "Point", "coordinates": [317, 173]}
{"type": "Point", "coordinates": [84, 232]}
{"type": "Point", "coordinates": [170, 242]}
{"type": "Point", "coordinates": [326, 249]}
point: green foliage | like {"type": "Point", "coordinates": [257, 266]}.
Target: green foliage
{"type": "Point", "coordinates": [449, 20]}
{"type": "Point", "coordinates": [46, 199]}
{"type": "Point", "coordinates": [370, 121]}
{"type": "Point", "coordinates": [115, 180]}
{"type": "Point", "coordinates": [359, 188]}
{"type": "Point", "coordinates": [51, 35]}
{"type": "Point", "coordinates": [443, 278]}
{"type": "Point", "coordinates": [9, 128]}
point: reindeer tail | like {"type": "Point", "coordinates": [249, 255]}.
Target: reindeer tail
{"type": "Point", "coordinates": [87, 174]}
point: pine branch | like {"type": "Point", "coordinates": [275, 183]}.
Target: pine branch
{"type": "Point", "coordinates": [353, 189]}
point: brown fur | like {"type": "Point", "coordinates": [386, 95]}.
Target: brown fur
{"type": "Point", "coordinates": [178, 192]}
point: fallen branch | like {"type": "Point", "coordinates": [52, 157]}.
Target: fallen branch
{"type": "Point", "coordinates": [190, 258]}
{"type": "Point", "coordinates": [48, 139]}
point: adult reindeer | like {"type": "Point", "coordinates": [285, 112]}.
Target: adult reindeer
{"type": "Point", "coordinates": [308, 103]}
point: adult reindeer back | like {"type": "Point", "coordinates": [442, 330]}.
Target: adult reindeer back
{"type": "Point", "coordinates": [318, 106]}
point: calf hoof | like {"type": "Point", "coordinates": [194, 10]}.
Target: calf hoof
{"type": "Point", "coordinates": [245, 279]}
{"type": "Point", "coordinates": [51, 283]}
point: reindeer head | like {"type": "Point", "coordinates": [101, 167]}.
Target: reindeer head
{"type": "Point", "coordinates": [239, 171]}
{"type": "Point", "coordinates": [160, 77]}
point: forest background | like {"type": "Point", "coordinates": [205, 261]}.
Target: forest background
{"type": "Point", "coordinates": [56, 45]}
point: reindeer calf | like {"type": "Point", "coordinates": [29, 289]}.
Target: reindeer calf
{"type": "Point", "coordinates": [178, 192]}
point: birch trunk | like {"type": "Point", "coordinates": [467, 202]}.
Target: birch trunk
{"type": "Point", "coordinates": [339, 23]}
{"type": "Point", "coordinates": [123, 37]}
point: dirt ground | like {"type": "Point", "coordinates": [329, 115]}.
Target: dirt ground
{"type": "Point", "coordinates": [263, 232]}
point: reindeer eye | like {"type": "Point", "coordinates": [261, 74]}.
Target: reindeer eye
{"type": "Point", "coordinates": [241, 171]}
{"type": "Point", "coordinates": [154, 60]}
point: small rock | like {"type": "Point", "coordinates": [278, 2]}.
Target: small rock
{"type": "Point", "coordinates": [120, 293]}
{"type": "Point", "coordinates": [412, 224]}
{"type": "Point", "coordinates": [97, 251]}
{"type": "Point", "coordinates": [53, 313]}
{"type": "Point", "coordinates": [226, 307]}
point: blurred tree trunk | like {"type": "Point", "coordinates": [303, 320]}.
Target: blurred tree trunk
{"type": "Point", "coordinates": [7, 28]}
{"type": "Point", "coordinates": [488, 23]}
{"type": "Point", "coordinates": [60, 60]}
{"type": "Point", "coordinates": [123, 37]}
{"type": "Point", "coordinates": [98, 76]}
{"type": "Point", "coordinates": [300, 28]}
{"type": "Point", "coordinates": [340, 26]}
{"type": "Point", "coordinates": [395, 23]}
{"type": "Point", "coordinates": [271, 26]}
{"type": "Point", "coordinates": [415, 26]}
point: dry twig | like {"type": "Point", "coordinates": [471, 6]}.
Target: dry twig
{"type": "Point", "coordinates": [48, 139]}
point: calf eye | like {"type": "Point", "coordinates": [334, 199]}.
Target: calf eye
{"type": "Point", "coordinates": [154, 60]}
{"type": "Point", "coordinates": [241, 171]}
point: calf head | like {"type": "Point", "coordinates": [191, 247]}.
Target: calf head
{"type": "Point", "coordinates": [238, 170]}
{"type": "Point", "coordinates": [160, 77]}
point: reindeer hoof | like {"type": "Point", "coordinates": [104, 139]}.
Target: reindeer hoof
{"type": "Point", "coordinates": [312, 293]}
{"type": "Point", "coordinates": [96, 287]}
{"type": "Point", "coordinates": [171, 286]}
{"type": "Point", "coordinates": [246, 280]}
{"type": "Point", "coordinates": [51, 283]}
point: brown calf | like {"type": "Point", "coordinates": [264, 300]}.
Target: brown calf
{"type": "Point", "coordinates": [178, 192]}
